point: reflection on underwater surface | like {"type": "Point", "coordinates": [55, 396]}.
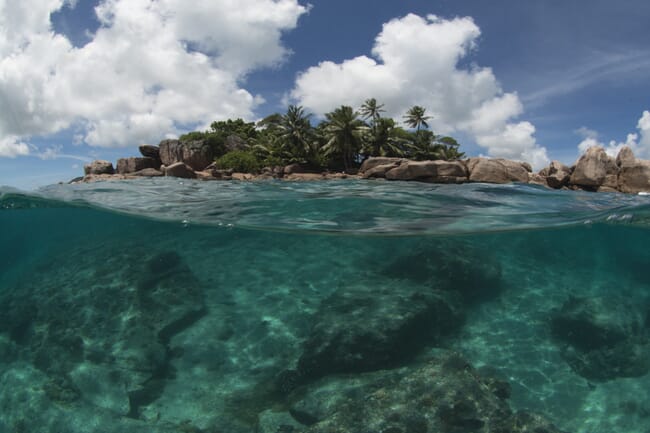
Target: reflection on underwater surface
{"type": "Point", "coordinates": [116, 321]}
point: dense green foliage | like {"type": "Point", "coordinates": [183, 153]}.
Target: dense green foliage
{"type": "Point", "coordinates": [341, 141]}
{"type": "Point", "coordinates": [240, 161]}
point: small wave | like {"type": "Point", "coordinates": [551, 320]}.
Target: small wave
{"type": "Point", "coordinates": [345, 206]}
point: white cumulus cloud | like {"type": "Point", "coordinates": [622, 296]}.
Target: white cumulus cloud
{"type": "Point", "coordinates": [10, 147]}
{"type": "Point", "coordinates": [151, 66]}
{"type": "Point", "coordinates": [638, 142]}
{"type": "Point", "coordinates": [416, 61]}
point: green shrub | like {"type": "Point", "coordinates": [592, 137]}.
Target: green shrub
{"type": "Point", "coordinates": [240, 161]}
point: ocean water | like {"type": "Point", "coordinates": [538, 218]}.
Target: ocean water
{"type": "Point", "coordinates": [175, 306]}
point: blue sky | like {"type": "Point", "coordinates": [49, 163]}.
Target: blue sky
{"type": "Point", "coordinates": [534, 80]}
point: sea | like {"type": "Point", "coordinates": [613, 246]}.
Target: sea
{"type": "Point", "coordinates": [168, 305]}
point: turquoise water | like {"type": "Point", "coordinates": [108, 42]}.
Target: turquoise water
{"type": "Point", "coordinates": [167, 306]}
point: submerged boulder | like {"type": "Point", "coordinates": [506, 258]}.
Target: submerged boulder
{"type": "Point", "coordinates": [443, 394]}
{"type": "Point", "coordinates": [603, 338]}
{"type": "Point", "coordinates": [369, 328]}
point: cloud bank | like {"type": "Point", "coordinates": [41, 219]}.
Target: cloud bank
{"type": "Point", "coordinates": [639, 142]}
{"type": "Point", "coordinates": [151, 67]}
{"type": "Point", "coordinates": [417, 61]}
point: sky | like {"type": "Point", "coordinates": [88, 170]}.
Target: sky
{"type": "Point", "coordinates": [534, 80]}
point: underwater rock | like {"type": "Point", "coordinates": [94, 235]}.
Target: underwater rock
{"type": "Point", "coordinates": [277, 422]}
{"type": "Point", "coordinates": [444, 394]}
{"type": "Point", "coordinates": [450, 266]}
{"type": "Point", "coordinates": [364, 328]}
{"type": "Point", "coordinates": [116, 322]}
{"type": "Point", "coordinates": [603, 338]}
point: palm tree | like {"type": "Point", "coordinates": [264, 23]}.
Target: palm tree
{"type": "Point", "coordinates": [415, 117]}
{"type": "Point", "coordinates": [296, 134]}
{"type": "Point", "coordinates": [371, 110]}
{"type": "Point", "coordinates": [385, 139]}
{"type": "Point", "coordinates": [343, 131]}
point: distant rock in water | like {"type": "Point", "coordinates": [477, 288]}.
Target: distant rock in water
{"type": "Point", "coordinates": [603, 338]}
{"type": "Point", "coordinates": [133, 164]}
{"type": "Point", "coordinates": [444, 394]}
{"type": "Point", "coordinates": [196, 154]}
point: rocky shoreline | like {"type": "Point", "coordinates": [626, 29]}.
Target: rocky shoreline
{"type": "Point", "coordinates": [594, 171]}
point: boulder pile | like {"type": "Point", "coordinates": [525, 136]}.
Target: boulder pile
{"type": "Point", "coordinates": [595, 170]}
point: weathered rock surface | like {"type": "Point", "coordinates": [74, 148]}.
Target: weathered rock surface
{"type": "Point", "coordinates": [149, 151]}
{"type": "Point", "coordinates": [99, 167]}
{"type": "Point", "coordinates": [179, 169]}
{"type": "Point", "coordinates": [135, 163]}
{"type": "Point", "coordinates": [374, 161]}
{"type": "Point", "coordinates": [378, 171]}
{"type": "Point", "coordinates": [196, 154]}
{"type": "Point", "coordinates": [603, 338]}
{"type": "Point", "coordinates": [432, 171]}
{"type": "Point", "coordinates": [444, 394]}
{"type": "Point", "coordinates": [634, 177]}
{"type": "Point", "coordinates": [591, 168]}
{"type": "Point", "coordinates": [558, 175]}
{"type": "Point", "coordinates": [148, 172]}
{"type": "Point", "coordinates": [364, 328]}
{"type": "Point", "coordinates": [496, 170]}
{"type": "Point", "coordinates": [625, 157]}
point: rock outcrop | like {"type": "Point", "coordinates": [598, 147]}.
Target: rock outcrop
{"type": "Point", "coordinates": [557, 175]}
{"type": "Point", "coordinates": [197, 154]}
{"type": "Point", "coordinates": [497, 170]}
{"type": "Point", "coordinates": [134, 163]}
{"type": "Point", "coordinates": [179, 169]}
{"type": "Point", "coordinates": [99, 167]}
{"type": "Point", "coordinates": [592, 168]}
{"type": "Point", "coordinates": [431, 171]}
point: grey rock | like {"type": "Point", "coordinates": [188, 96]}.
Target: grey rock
{"type": "Point", "coordinates": [148, 172]}
{"type": "Point", "coordinates": [558, 175]}
{"type": "Point", "coordinates": [99, 167]}
{"type": "Point", "coordinates": [378, 171]}
{"type": "Point", "coordinates": [496, 170]}
{"type": "Point", "coordinates": [197, 154]}
{"type": "Point", "coordinates": [634, 178]}
{"type": "Point", "coordinates": [134, 163]}
{"type": "Point", "coordinates": [591, 168]}
{"type": "Point", "coordinates": [149, 151]}
{"type": "Point", "coordinates": [433, 171]}
{"type": "Point", "coordinates": [374, 161]}
{"type": "Point", "coordinates": [179, 169]}
{"type": "Point", "coordinates": [625, 157]}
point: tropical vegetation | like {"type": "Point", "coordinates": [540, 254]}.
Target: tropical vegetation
{"type": "Point", "coordinates": [341, 141]}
